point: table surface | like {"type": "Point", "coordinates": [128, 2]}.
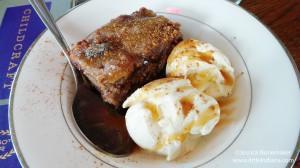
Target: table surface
{"type": "Point", "coordinates": [283, 17]}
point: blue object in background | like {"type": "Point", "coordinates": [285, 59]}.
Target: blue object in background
{"type": "Point", "coordinates": [8, 158]}
{"type": "Point", "coordinates": [19, 28]}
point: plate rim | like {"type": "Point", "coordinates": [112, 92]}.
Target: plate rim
{"type": "Point", "coordinates": [16, 147]}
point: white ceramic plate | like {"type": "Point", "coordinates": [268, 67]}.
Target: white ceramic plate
{"type": "Point", "coordinates": [259, 125]}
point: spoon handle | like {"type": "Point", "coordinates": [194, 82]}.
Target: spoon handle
{"type": "Point", "coordinates": [41, 9]}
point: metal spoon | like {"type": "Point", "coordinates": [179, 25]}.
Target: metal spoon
{"type": "Point", "coordinates": [101, 124]}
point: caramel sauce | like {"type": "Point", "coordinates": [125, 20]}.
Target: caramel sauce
{"type": "Point", "coordinates": [186, 104]}
{"type": "Point", "coordinates": [188, 128]}
{"type": "Point", "coordinates": [223, 122]}
{"type": "Point", "coordinates": [209, 114]}
{"type": "Point", "coordinates": [183, 88]}
{"type": "Point", "coordinates": [206, 116]}
{"type": "Point", "coordinates": [188, 49]}
{"type": "Point", "coordinates": [158, 146]}
{"type": "Point", "coordinates": [226, 101]}
{"type": "Point", "coordinates": [189, 43]}
{"type": "Point", "coordinates": [226, 111]}
{"type": "Point", "coordinates": [184, 45]}
{"type": "Point", "coordinates": [155, 114]}
{"type": "Point", "coordinates": [226, 117]}
{"type": "Point", "coordinates": [228, 80]}
{"type": "Point", "coordinates": [181, 137]}
{"type": "Point", "coordinates": [168, 140]}
{"type": "Point", "coordinates": [157, 83]}
{"type": "Point", "coordinates": [177, 137]}
{"type": "Point", "coordinates": [194, 54]}
{"type": "Point", "coordinates": [198, 80]}
{"type": "Point", "coordinates": [207, 57]}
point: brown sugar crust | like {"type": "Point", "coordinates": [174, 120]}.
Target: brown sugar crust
{"type": "Point", "coordinates": [137, 49]}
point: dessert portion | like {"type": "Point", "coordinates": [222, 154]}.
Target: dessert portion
{"type": "Point", "coordinates": [126, 53]}
{"type": "Point", "coordinates": [208, 69]}
{"type": "Point", "coordinates": [168, 115]}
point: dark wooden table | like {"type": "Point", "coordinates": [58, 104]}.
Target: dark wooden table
{"type": "Point", "coordinates": [283, 17]}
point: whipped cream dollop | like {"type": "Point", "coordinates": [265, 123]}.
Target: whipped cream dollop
{"type": "Point", "coordinates": [167, 116]}
{"type": "Point", "coordinates": [208, 69]}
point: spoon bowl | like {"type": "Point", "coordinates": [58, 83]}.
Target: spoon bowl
{"type": "Point", "coordinates": [100, 123]}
